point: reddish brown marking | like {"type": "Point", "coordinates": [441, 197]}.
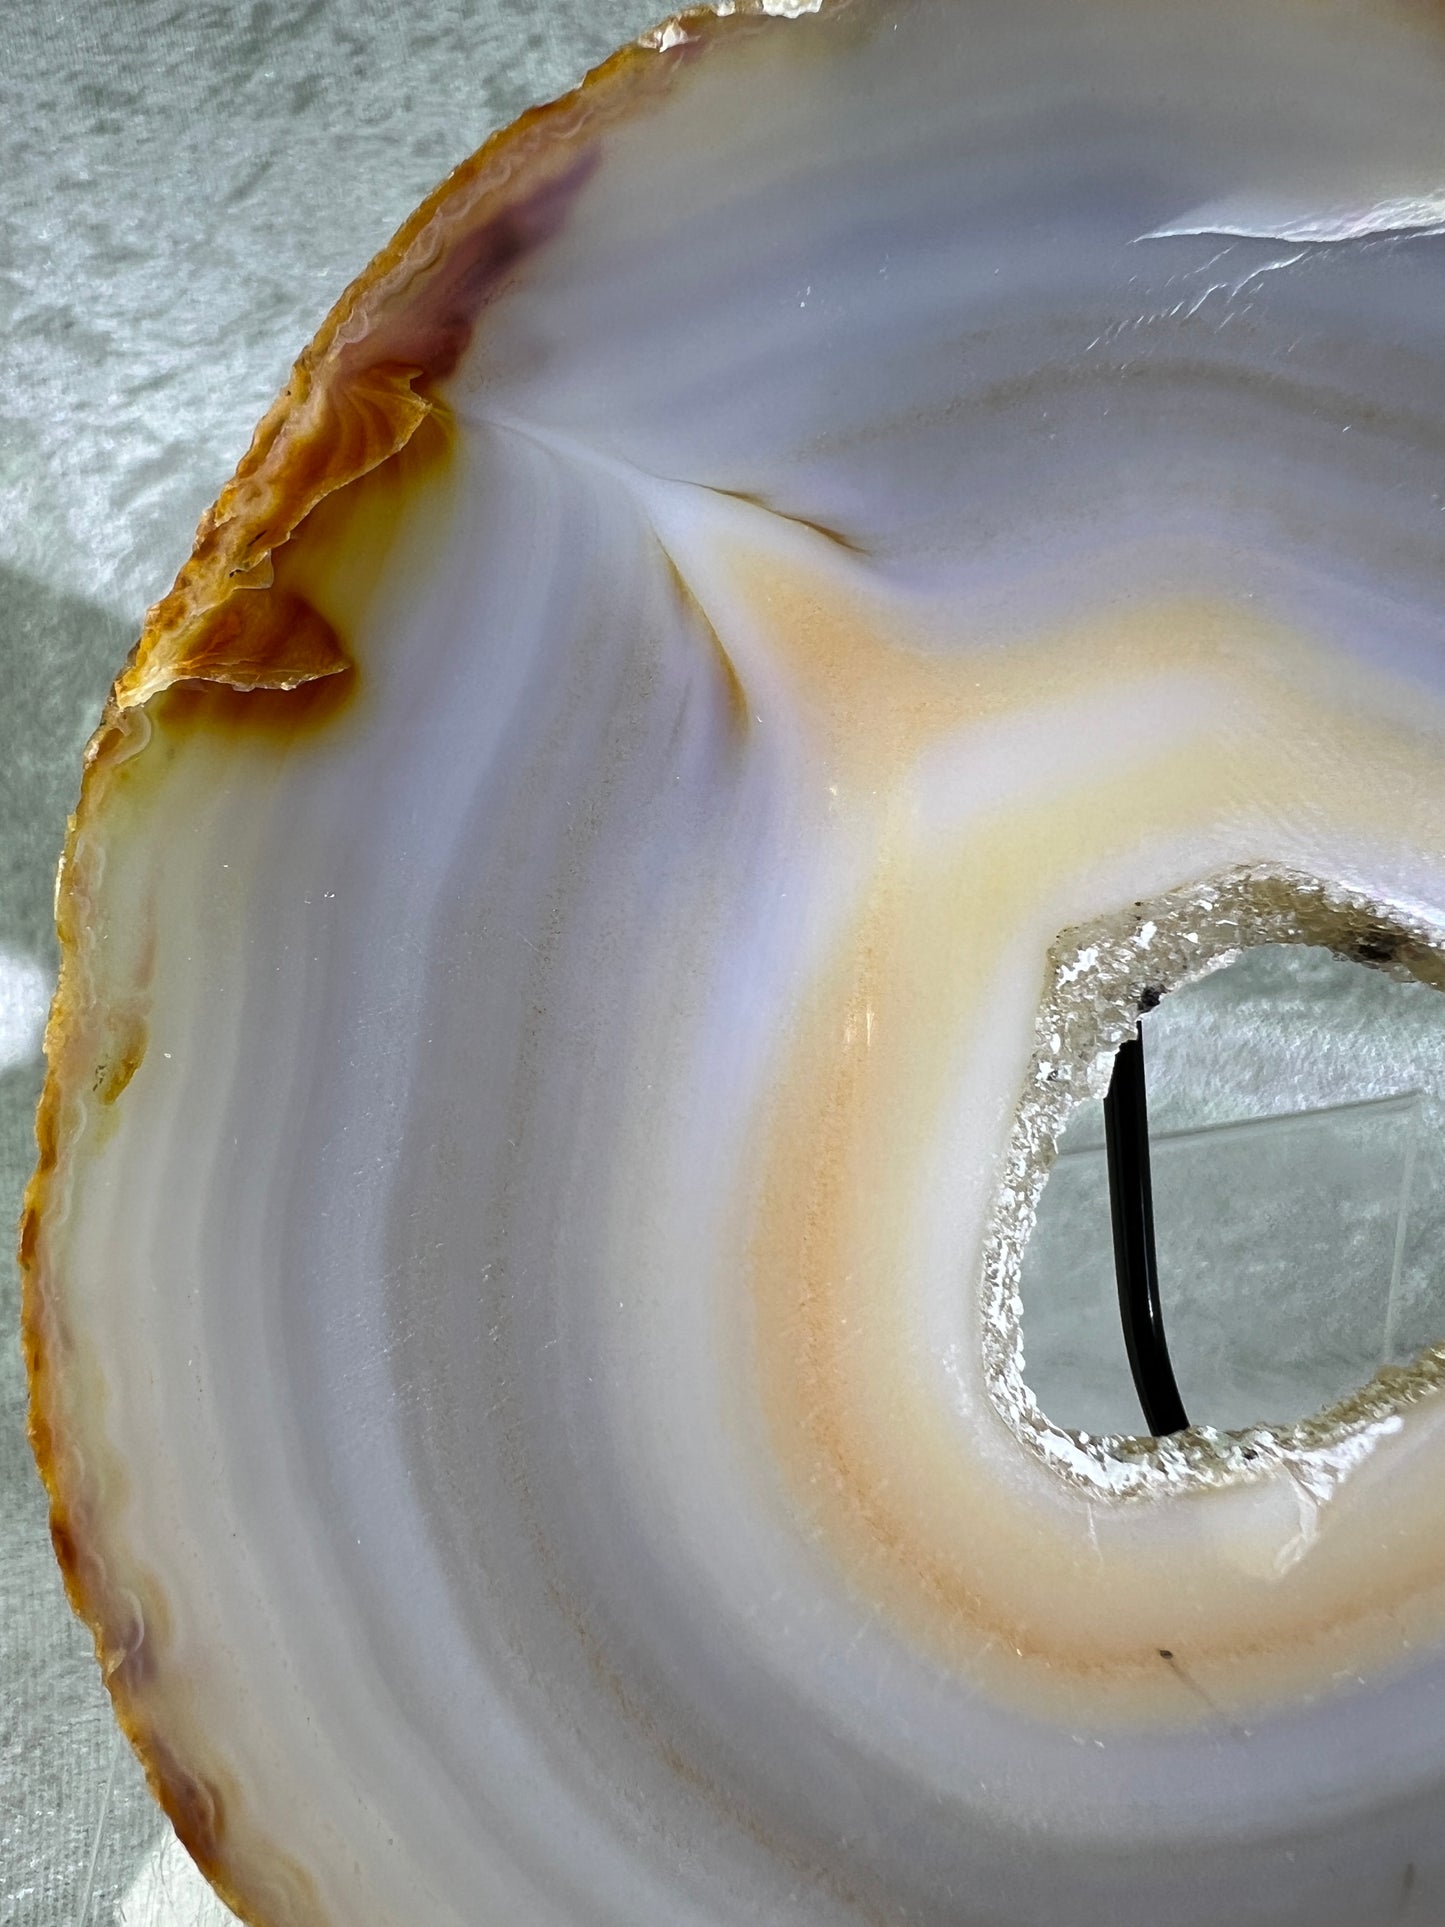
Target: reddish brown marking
{"type": "Point", "coordinates": [123, 1060]}
{"type": "Point", "coordinates": [367, 412]}
{"type": "Point", "coordinates": [196, 1807]}
{"type": "Point", "coordinates": [63, 1540]}
{"type": "Point", "coordinates": [432, 331]}
{"type": "Point", "coordinates": [346, 413]}
{"type": "Point", "coordinates": [281, 716]}
{"type": "Point", "coordinates": [120, 1625]}
{"type": "Point", "coordinates": [264, 639]}
{"type": "Point", "coordinates": [226, 621]}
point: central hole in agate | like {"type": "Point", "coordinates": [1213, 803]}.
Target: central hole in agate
{"type": "Point", "coordinates": [1297, 1136]}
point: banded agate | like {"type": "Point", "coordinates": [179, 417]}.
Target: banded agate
{"type": "Point", "coordinates": [813, 575]}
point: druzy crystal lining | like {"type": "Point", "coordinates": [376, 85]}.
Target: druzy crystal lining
{"type": "Point", "coordinates": [1102, 976]}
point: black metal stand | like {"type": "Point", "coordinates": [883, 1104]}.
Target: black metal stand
{"type": "Point", "coordinates": [1131, 1202]}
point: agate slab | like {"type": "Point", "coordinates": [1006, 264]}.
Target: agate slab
{"type": "Point", "coordinates": [813, 576]}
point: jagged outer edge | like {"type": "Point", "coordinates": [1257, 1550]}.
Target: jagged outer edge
{"type": "Point", "coordinates": [276, 485]}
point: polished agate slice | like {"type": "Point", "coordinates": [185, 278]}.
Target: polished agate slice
{"type": "Point", "coordinates": [812, 578]}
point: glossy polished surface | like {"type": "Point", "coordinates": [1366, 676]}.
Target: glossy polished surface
{"type": "Point", "coordinates": [809, 580]}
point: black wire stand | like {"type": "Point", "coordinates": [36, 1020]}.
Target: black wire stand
{"type": "Point", "coordinates": [1136, 1267]}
